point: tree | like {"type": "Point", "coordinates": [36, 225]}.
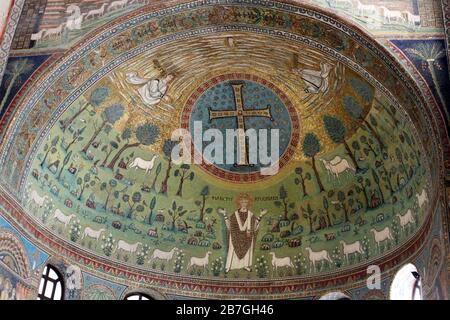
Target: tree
{"type": "Point", "coordinates": [387, 176]}
{"type": "Point", "coordinates": [362, 89]}
{"type": "Point", "coordinates": [65, 162]}
{"type": "Point", "coordinates": [167, 151]}
{"type": "Point", "coordinates": [356, 147]}
{"type": "Point", "coordinates": [110, 116]}
{"type": "Point", "coordinates": [309, 215]}
{"type": "Point", "coordinates": [399, 156]}
{"type": "Point", "coordinates": [336, 131]}
{"type": "Point", "coordinates": [84, 183]}
{"type": "Point", "coordinates": [343, 205]}
{"type": "Point", "coordinates": [202, 204]}
{"type": "Point", "coordinates": [135, 199]}
{"type": "Point", "coordinates": [175, 213]}
{"type": "Point", "coordinates": [326, 206]}
{"type": "Point", "coordinates": [360, 180]}
{"type": "Point", "coordinates": [311, 147]}
{"type": "Point", "coordinates": [368, 143]}
{"type": "Point", "coordinates": [356, 112]}
{"type": "Point", "coordinates": [49, 148]}
{"type": "Point", "coordinates": [124, 136]}
{"type": "Point", "coordinates": [76, 137]}
{"type": "Point", "coordinates": [109, 188]}
{"type": "Point", "coordinates": [301, 179]}
{"type": "Point", "coordinates": [13, 71]}
{"type": "Point", "coordinates": [429, 53]}
{"type": "Point", "coordinates": [152, 206]}
{"type": "Point", "coordinates": [157, 172]}
{"type": "Point", "coordinates": [146, 134]}
{"type": "Point", "coordinates": [282, 194]}
{"type": "Point", "coordinates": [183, 174]}
{"type": "Point", "coordinates": [376, 178]}
{"type": "Point", "coordinates": [97, 97]}
{"type": "Point", "coordinates": [108, 150]}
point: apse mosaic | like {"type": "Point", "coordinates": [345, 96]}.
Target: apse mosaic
{"type": "Point", "coordinates": [103, 177]}
{"type": "Point", "coordinates": [90, 155]}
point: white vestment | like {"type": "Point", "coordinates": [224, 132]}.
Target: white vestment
{"type": "Point", "coordinates": [152, 90]}
{"type": "Point", "coordinates": [233, 262]}
{"type": "Point", "coordinates": [316, 80]}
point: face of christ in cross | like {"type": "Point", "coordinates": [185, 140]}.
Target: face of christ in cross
{"type": "Point", "coordinates": [242, 227]}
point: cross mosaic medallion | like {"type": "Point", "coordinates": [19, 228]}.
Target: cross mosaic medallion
{"type": "Point", "coordinates": [241, 103]}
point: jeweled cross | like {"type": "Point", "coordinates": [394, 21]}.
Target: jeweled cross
{"type": "Point", "coordinates": [240, 114]}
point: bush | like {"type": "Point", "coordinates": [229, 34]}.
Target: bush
{"type": "Point", "coordinates": [261, 266]}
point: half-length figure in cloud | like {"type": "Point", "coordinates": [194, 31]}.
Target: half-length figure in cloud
{"type": "Point", "coordinates": [152, 91]}
{"type": "Point", "coordinates": [316, 81]}
{"type": "Point", "coordinates": [242, 227]}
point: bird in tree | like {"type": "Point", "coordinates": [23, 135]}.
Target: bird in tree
{"type": "Point", "coordinates": [146, 135]}
{"type": "Point", "coordinates": [336, 131]}
{"type": "Point", "coordinates": [356, 112]}
{"type": "Point", "coordinates": [97, 97]}
{"type": "Point", "coordinates": [311, 147]}
{"type": "Point", "coordinates": [110, 116]}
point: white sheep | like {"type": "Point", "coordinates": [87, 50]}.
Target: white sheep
{"type": "Point", "coordinates": [315, 257]}
{"type": "Point", "coordinates": [422, 198]}
{"type": "Point", "coordinates": [200, 262]}
{"type": "Point", "coordinates": [125, 246]}
{"type": "Point", "coordinates": [91, 233]}
{"type": "Point", "coordinates": [120, 4]}
{"type": "Point", "coordinates": [61, 217]}
{"type": "Point", "coordinates": [97, 12]}
{"type": "Point", "coordinates": [406, 218]}
{"type": "Point", "coordinates": [280, 262]}
{"type": "Point", "coordinates": [163, 255]}
{"type": "Point", "coordinates": [382, 235]}
{"type": "Point", "coordinates": [37, 199]}
{"type": "Point", "coordinates": [354, 247]}
{"type": "Point", "coordinates": [147, 165]}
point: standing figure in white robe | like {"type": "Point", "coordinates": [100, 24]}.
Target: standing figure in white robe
{"type": "Point", "coordinates": [316, 80]}
{"type": "Point", "coordinates": [152, 90]}
{"type": "Point", "coordinates": [242, 227]}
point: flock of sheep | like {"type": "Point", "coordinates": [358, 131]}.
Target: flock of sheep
{"type": "Point", "coordinates": [277, 262]}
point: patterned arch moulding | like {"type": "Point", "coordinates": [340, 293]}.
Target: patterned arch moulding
{"type": "Point", "coordinates": [87, 44]}
{"type": "Point", "coordinates": [291, 288]}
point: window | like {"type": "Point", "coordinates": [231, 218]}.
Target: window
{"type": "Point", "coordinates": [407, 284]}
{"type": "Point", "coordinates": [138, 296]}
{"type": "Point", "coordinates": [51, 286]}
